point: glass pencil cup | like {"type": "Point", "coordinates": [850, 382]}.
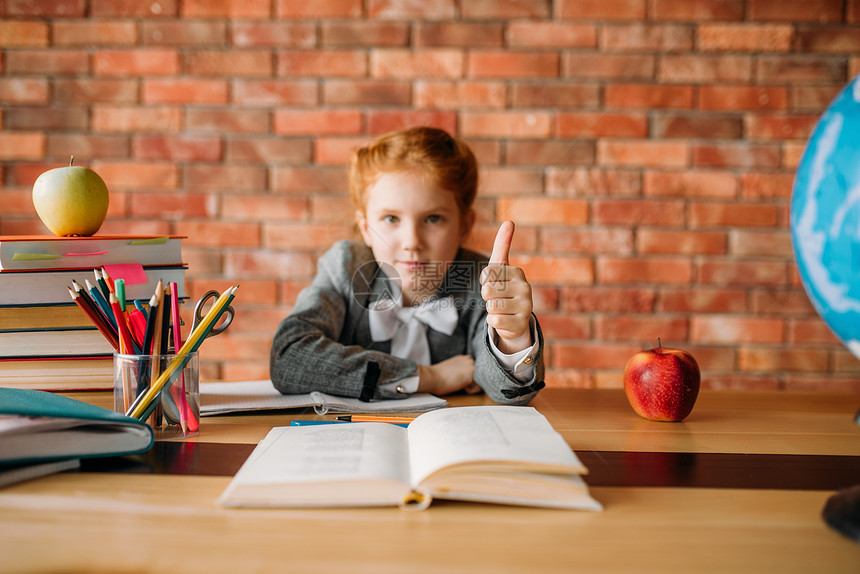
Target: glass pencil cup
{"type": "Point", "coordinates": [174, 413]}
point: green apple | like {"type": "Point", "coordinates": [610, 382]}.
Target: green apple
{"type": "Point", "coordinates": [71, 200]}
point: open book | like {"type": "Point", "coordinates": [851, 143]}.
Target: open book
{"type": "Point", "coordinates": [498, 454]}
{"type": "Point", "coordinates": [230, 397]}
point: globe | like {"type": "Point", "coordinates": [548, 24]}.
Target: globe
{"type": "Point", "coordinates": [825, 216]}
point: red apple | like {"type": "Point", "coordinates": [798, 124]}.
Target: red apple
{"type": "Point", "coordinates": [662, 384]}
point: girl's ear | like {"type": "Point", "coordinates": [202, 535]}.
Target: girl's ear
{"type": "Point", "coordinates": [361, 223]}
{"type": "Point", "coordinates": [467, 224]}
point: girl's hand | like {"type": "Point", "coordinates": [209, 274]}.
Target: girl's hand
{"type": "Point", "coordinates": [449, 376]}
{"type": "Point", "coordinates": [508, 296]}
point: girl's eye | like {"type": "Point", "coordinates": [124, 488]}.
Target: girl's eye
{"type": "Point", "coordinates": [390, 219]}
{"type": "Point", "coordinates": [434, 218]}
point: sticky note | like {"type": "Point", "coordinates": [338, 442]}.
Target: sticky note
{"type": "Point", "coordinates": [131, 273]}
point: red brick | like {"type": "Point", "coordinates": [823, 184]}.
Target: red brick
{"type": "Point", "coordinates": [365, 33]}
{"type": "Point", "coordinates": [779, 301]}
{"type": "Point", "coordinates": [650, 153]}
{"type": "Point", "coordinates": [147, 8]}
{"type": "Point", "coordinates": [696, 126]}
{"type": "Point", "coordinates": [308, 179]}
{"type": "Point", "coordinates": [428, 63]}
{"type": "Point", "coordinates": [366, 92]}
{"type": "Point", "coordinates": [459, 95]}
{"type": "Point", "coordinates": [273, 33]}
{"type": "Point", "coordinates": [698, 10]}
{"type": "Point", "coordinates": [813, 99]}
{"type": "Point", "coordinates": [317, 122]}
{"type": "Point", "coordinates": [498, 64]}
{"type": "Point", "coordinates": [328, 9]}
{"type": "Point", "coordinates": [592, 182]}
{"type": "Point", "coordinates": [336, 150]}
{"type": "Point", "coordinates": [592, 355]}
{"type": "Point", "coordinates": [782, 360]}
{"type": "Point", "coordinates": [89, 90]}
{"type": "Point", "coordinates": [732, 215]}
{"type": "Point", "coordinates": [769, 244]}
{"type": "Point", "coordinates": [23, 33]}
{"type": "Point", "coordinates": [234, 63]}
{"type": "Point", "coordinates": [94, 32]}
{"type": "Point", "coordinates": [609, 240]}
{"type": "Point", "coordinates": [804, 331]}
{"type": "Point", "coordinates": [733, 98]}
{"type": "Point", "coordinates": [608, 299]}
{"type": "Point", "coordinates": [268, 264]}
{"type": "Point", "coordinates": [770, 127]}
{"type": "Point", "coordinates": [460, 34]}
{"type": "Point", "coordinates": [796, 10]}
{"type": "Point", "coordinates": [608, 66]}
{"type": "Point", "coordinates": [754, 273]}
{"type": "Point", "coordinates": [636, 212]}
{"type": "Point", "coordinates": [744, 37]}
{"type": "Point", "coordinates": [411, 9]}
{"type": "Point", "coordinates": [184, 33]}
{"type": "Point", "coordinates": [24, 91]}
{"type": "Point", "coordinates": [380, 122]}
{"type": "Point", "coordinates": [746, 382]}
{"type": "Point", "coordinates": [61, 145]}
{"type": "Point", "coordinates": [265, 207]}
{"type": "Point", "coordinates": [528, 95]}
{"type": "Point", "coordinates": [825, 383]}
{"type": "Point", "coordinates": [524, 34]}
{"type": "Point", "coordinates": [232, 178]}
{"type": "Point", "coordinates": [329, 63]}
{"type": "Point", "coordinates": [663, 270]}
{"type": "Point", "coordinates": [219, 233]}
{"type": "Point", "coordinates": [641, 37]}
{"type": "Point", "coordinates": [782, 69]}
{"type": "Point", "coordinates": [274, 93]}
{"type": "Point", "coordinates": [177, 148]}
{"type": "Point", "coordinates": [109, 118]}
{"type": "Point", "coordinates": [137, 174]}
{"type": "Point", "coordinates": [22, 145]}
{"type": "Point", "coordinates": [303, 236]}
{"type": "Point", "coordinates": [568, 378]}
{"type": "Point", "coordinates": [44, 8]}
{"type": "Point", "coordinates": [554, 269]}
{"type": "Point", "coordinates": [227, 121]}
{"type": "Point", "coordinates": [534, 210]}
{"type": "Point", "coordinates": [171, 205]}
{"type": "Point", "coordinates": [605, 124]}
{"type": "Point", "coordinates": [557, 327]}
{"type": "Point", "coordinates": [506, 124]}
{"type": "Point", "coordinates": [638, 328]}
{"type": "Point", "coordinates": [680, 242]}
{"type": "Point", "coordinates": [648, 96]}
{"type": "Point", "coordinates": [767, 185]}
{"type": "Point", "coordinates": [732, 330]}
{"type": "Point", "coordinates": [148, 62]}
{"type": "Point", "coordinates": [509, 182]}
{"type": "Point", "coordinates": [226, 8]}
{"type": "Point", "coordinates": [268, 150]}
{"type": "Point", "coordinates": [44, 118]}
{"type": "Point", "coordinates": [332, 210]}
{"type": "Point", "coordinates": [493, 9]}
{"type": "Point", "coordinates": [602, 9]}
{"type": "Point", "coordinates": [704, 69]}
{"type": "Point", "coordinates": [181, 90]}
{"type": "Point", "coordinates": [742, 154]}
{"type": "Point", "coordinates": [55, 62]}
{"type": "Point", "coordinates": [549, 152]}
{"type": "Point", "coordinates": [703, 300]}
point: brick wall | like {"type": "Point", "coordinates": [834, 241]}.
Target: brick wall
{"type": "Point", "coordinates": [645, 149]}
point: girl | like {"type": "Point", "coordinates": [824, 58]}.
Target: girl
{"type": "Point", "coordinates": [410, 310]}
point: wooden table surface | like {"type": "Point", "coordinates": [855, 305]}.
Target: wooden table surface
{"type": "Point", "coordinates": [157, 521]}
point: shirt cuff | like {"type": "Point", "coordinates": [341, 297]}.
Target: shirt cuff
{"type": "Point", "coordinates": [519, 364]}
{"type": "Point", "coordinates": [405, 386]}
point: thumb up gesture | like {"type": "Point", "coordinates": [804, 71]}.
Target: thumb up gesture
{"type": "Point", "coordinates": [508, 295]}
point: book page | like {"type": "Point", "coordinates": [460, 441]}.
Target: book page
{"type": "Point", "coordinates": [490, 434]}
{"type": "Point", "coordinates": [328, 453]}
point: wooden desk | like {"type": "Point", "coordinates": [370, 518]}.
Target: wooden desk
{"type": "Point", "coordinates": [132, 522]}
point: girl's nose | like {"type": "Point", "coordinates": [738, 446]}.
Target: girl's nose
{"type": "Point", "coordinates": [411, 237]}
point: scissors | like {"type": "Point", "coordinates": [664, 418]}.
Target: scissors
{"type": "Point", "coordinates": [199, 314]}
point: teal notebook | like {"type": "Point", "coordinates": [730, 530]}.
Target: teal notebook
{"type": "Point", "coordinates": [40, 426]}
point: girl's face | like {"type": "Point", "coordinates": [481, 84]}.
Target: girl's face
{"type": "Point", "coordinates": [414, 229]}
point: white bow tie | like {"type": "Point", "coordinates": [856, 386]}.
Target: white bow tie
{"type": "Point", "coordinates": [406, 327]}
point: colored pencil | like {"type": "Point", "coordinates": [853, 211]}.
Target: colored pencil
{"type": "Point", "coordinates": [146, 402]}
{"type": "Point", "coordinates": [100, 281]}
{"type": "Point", "coordinates": [101, 301]}
{"type": "Point", "coordinates": [95, 318]}
{"type": "Point", "coordinates": [119, 290]}
{"type": "Point", "coordinates": [375, 419]}
{"type": "Point", "coordinates": [126, 344]}
{"type": "Point", "coordinates": [185, 421]}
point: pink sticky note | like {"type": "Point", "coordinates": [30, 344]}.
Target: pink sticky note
{"type": "Point", "coordinates": [132, 273]}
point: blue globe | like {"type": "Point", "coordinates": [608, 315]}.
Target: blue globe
{"type": "Point", "coordinates": [825, 216]}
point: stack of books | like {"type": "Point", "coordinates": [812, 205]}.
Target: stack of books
{"type": "Point", "coordinates": [46, 341]}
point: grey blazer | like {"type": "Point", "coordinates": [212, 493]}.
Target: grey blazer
{"type": "Point", "coordinates": [325, 343]}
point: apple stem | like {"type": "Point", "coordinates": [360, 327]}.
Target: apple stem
{"type": "Point", "coordinates": [71, 160]}
{"type": "Point", "coordinates": [660, 345]}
